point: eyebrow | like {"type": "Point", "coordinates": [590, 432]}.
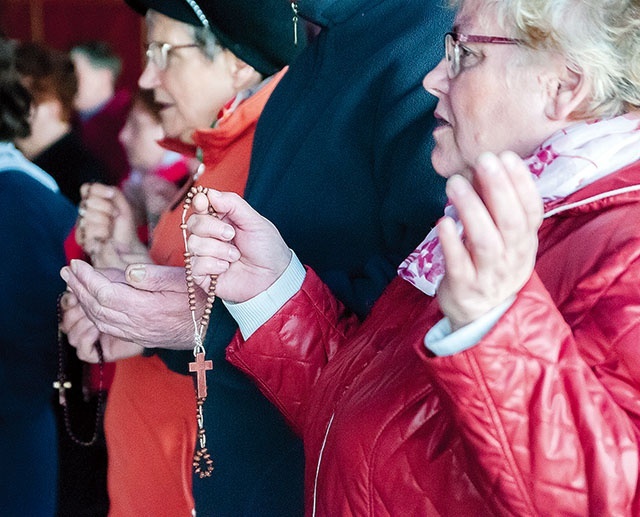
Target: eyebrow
{"type": "Point", "coordinates": [460, 22]}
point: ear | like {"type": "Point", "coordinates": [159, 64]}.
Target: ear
{"type": "Point", "coordinates": [568, 92]}
{"type": "Point", "coordinates": [243, 76]}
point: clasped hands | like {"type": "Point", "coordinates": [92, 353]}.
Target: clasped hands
{"type": "Point", "coordinates": [106, 227]}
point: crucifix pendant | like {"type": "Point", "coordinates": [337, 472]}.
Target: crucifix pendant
{"type": "Point", "coordinates": [200, 366]}
{"type": "Point", "coordinates": [202, 462]}
{"type": "Point", "coordinates": [62, 386]}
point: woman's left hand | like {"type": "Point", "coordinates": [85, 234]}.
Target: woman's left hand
{"type": "Point", "coordinates": [501, 213]}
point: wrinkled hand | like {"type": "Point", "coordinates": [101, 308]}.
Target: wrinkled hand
{"type": "Point", "coordinates": [501, 214]}
{"type": "Point", "coordinates": [82, 334]}
{"type": "Point", "coordinates": [243, 248]}
{"type": "Point", "coordinates": [106, 228]}
{"type": "Point", "coordinates": [149, 307]}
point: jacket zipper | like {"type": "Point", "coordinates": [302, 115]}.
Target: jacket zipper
{"type": "Point", "coordinates": [315, 482]}
{"type": "Point", "coordinates": [597, 197]}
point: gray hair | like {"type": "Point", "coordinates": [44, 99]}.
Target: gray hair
{"type": "Point", "coordinates": [100, 55]}
{"type": "Point", "coordinates": [207, 40]}
{"type": "Point", "coordinates": [202, 36]}
{"type": "Point", "coordinates": [599, 39]}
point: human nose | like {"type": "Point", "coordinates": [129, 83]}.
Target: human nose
{"type": "Point", "coordinates": [149, 78]}
{"type": "Point", "coordinates": [436, 82]}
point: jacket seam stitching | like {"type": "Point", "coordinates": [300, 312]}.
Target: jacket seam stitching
{"type": "Point", "coordinates": [499, 428]}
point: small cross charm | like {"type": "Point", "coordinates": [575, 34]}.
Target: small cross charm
{"type": "Point", "coordinates": [200, 366]}
{"type": "Point", "coordinates": [62, 386]}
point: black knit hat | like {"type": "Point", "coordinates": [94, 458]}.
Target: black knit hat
{"type": "Point", "coordinates": [260, 32]}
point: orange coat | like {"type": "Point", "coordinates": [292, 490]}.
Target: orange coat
{"type": "Point", "coordinates": [150, 420]}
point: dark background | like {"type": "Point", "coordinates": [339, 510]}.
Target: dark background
{"type": "Point", "coordinates": [65, 23]}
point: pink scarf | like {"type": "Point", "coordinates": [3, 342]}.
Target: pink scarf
{"type": "Point", "coordinates": [566, 162]}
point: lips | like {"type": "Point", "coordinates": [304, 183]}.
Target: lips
{"type": "Point", "coordinates": [440, 120]}
{"type": "Point", "coordinates": [163, 105]}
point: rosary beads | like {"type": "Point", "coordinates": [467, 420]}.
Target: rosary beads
{"type": "Point", "coordinates": [62, 384]}
{"type": "Point", "coordinates": [202, 462]}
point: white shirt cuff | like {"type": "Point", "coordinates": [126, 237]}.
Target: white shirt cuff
{"type": "Point", "coordinates": [441, 341]}
{"type": "Point", "coordinates": [256, 311]}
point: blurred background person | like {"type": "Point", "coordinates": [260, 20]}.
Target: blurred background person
{"type": "Point", "coordinates": [35, 221]}
{"type": "Point", "coordinates": [53, 144]}
{"type": "Point", "coordinates": [102, 107]}
{"type": "Point", "coordinates": [156, 173]}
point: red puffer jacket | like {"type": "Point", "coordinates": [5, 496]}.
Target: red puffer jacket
{"type": "Point", "coordinates": [542, 417]}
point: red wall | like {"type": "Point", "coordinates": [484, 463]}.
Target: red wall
{"type": "Point", "coordinates": [64, 23]}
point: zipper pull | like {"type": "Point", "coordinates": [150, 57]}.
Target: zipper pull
{"type": "Point", "coordinates": [294, 8]}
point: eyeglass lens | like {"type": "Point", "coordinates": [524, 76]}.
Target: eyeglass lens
{"type": "Point", "coordinates": [452, 55]}
{"type": "Point", "coordinates": [157, 54]}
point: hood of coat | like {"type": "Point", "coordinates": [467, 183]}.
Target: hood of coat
{"type": "Point", "coordinates": [331, 12]}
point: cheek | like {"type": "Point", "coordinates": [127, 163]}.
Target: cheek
{"type": "Point", "coordinates": [195, 107]}
{"type": "Point", "coordinates": [478, 122]}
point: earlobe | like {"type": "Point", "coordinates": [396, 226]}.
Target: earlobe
{"type": "Point", "coordinates": [243, 75]}
{"type": "Point", "coordinates": [571, 91]}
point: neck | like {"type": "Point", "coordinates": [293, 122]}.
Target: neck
{"type": "Point", "coordinates": [88, 107]}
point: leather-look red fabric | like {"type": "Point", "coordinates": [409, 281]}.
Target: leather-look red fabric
{"type": "Point", "coordinates": [542, 417]}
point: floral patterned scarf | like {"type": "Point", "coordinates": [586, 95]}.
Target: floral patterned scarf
{"type": "Point", "coordinates": [566, 162]}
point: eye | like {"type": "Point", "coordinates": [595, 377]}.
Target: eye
{"type": "Point", "coordinates": [468, 57]}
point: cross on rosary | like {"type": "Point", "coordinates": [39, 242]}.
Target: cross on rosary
{"type": "Point", "coordinates": [200, 366]}
{"type": "Point", "coordinates": [202, 462]}
{"type": "Point", "coordinates": [62, 386]}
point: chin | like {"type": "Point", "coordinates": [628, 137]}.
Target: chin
{"type": "Point", "coordinates": [173, 133]}
{"type": "Point", "coordinates": [446, 164]}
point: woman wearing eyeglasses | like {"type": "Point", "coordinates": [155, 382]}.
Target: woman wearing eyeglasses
{"type": "Point", "coordinates": [211, 67]}
{"type": "Point", "coordinates": [499, 374]}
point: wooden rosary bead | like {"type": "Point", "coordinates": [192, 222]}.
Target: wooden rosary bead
{"type": "Point", "coordinates": [62, 384]}
{"type": "Point", "coordinates": [202, 462]}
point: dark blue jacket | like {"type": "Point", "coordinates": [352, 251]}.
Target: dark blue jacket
{"type": "Point", "coordinates": [341, 165]}
{"type": "Point", "coordinates": [34, 222]}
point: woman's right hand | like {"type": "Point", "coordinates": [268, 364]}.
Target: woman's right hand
{"type": "Point", "coordinates": [501, 213]}
{"type": "Point", "coordinates": [243, 248]}
{"type": "Point", "coordinates": [106, 227]}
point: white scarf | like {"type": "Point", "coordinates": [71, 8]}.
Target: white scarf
{"type": "Point", "coordinates": [566, 162]}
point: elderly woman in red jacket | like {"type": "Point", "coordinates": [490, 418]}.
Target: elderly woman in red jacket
{"type": "Point", "coordinates": [500, 373]}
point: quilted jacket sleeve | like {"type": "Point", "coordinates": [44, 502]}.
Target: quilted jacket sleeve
{"type": "Point", "coordinates": [286, 354]}
{"type": "Point", "coordinates": [551, 414]}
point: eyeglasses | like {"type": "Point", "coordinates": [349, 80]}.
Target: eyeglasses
{"type": "Point", "coordinates": [459, 56]}
{"type": "Point", "coordinates": [158, 53]}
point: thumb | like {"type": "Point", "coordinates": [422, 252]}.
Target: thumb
{"type": "Point", "coordinates": [151, 277]}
